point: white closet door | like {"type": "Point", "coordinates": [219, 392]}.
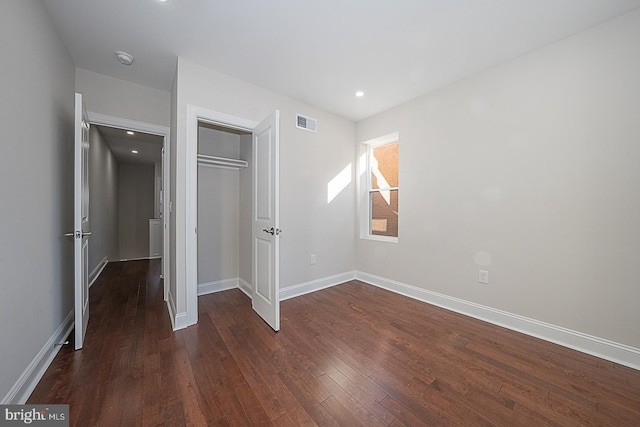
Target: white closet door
{"type": "Point", "coordinates": [266, 223]}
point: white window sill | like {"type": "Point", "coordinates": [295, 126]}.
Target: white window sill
{"type": "Point", "coordinates": [381, 238]}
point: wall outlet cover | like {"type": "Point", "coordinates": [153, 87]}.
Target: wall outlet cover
{"type": "Point", "coordinates": [483, 276]}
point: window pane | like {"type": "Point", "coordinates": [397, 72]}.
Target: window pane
{"type": "Point", "coordinates": [384, 213]}
{"type": "Point", "coordinates": [384, 166]}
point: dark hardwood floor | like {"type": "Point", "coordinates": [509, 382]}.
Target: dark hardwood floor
{"type": "Point", "coordinates": [348, 355]}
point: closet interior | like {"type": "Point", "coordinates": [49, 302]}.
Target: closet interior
{"type": "Point", "coordinates": [224, 208]}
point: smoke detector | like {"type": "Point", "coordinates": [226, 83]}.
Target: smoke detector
{"type": "Point", "coordinates": [124, 57]}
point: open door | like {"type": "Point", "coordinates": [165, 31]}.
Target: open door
{"type": "Point", "coordinates": [266, 222]}
{"type": "Point", "coordinates": [81, 220]}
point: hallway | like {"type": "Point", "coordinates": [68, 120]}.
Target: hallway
{"type": "Point", "coordinates": [119, 366]}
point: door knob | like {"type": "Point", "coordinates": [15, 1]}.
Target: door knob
{"type": "Point", "coordinates": [77, 234]}
{"type": "Point", "coordinates": [272, 231]}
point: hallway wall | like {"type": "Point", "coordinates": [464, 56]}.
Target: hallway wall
{"type": "Point", "coordinates": [135, 208]}
{"type": "Point", "coordinates": [103, 201]}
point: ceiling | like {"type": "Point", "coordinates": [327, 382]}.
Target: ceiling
{"type": "Point", "coordinates": [321, 52]}
{"type": "Point", "coordinates": [149, 147]}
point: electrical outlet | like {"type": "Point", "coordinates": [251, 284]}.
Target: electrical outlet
{"type": "Point", "coordinates": [483, 277]}
{"type": "Point", "coordinates": [313, 259]}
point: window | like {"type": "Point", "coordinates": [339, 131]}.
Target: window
{"type": "Point", "coordinates": [382, 188]}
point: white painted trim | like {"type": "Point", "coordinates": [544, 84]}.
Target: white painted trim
{"type": "Point", "coordinates": [382, 140]}
{"type": "Point", "coordinates": [197, 114]}
{"type": "Point", "coordinates": [245, 287]}
{"type": "Point", "coordinates": [178, 320]}
{"type": "Point", "coordinates": [134, 125]}
{"type": "Point", "coordinates": [315, 285]}
{"type": "Point", "coordinates": [164, 131]}
{"type": "Point", "coordinates": [95, 273]}
{"type": "Point", "coordinates": [595, 346]}
{"type": "Point", "coordinates": [137, 259]}
{"type": "Point", "coordinates": [171, 308]}
{"type": "Point", "coordinates": [167, 216]}
{"type": "Point", "coordinates": [181, 321]}
{"type": "Point", "coordinates": [388, 239]}
{"type": "Point", "coordinates": [218, 286]}
{"type": "Point", "coordinates": [366, 188]}
{"type": "Point", "coordinates": [22, 389]}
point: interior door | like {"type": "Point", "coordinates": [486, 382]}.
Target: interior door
{"type": "Point", "coordinates": [81, 231]}
{"type": "Point", "coordinates": [266, 223]}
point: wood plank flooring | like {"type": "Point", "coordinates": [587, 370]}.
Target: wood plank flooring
{"type": "Point", "coordinates": [349, 355]}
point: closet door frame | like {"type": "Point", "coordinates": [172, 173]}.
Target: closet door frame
{"type": "Point", "coordinates": [196, 115]}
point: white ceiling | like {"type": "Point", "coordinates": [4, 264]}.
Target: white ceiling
{"type": "Point", "coordinates": [149, 147]}
{"type": "Point", "coordinates": [321, 52]}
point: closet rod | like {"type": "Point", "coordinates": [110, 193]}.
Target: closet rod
{"type": "Point", "coordinates": [223, 162]}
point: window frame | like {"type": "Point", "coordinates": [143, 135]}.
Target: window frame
{"type": "Point", "coordinates": [366, 222]}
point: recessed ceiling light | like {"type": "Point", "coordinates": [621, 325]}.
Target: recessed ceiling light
{"type": "Point", "coordinates": [359, 94]}
{"type": "Point", "coordinates": [134, 151]}
{"type": "Point", "coordinates": [130, 133]}
{"type": "Point", "coordinates": [124, 57]}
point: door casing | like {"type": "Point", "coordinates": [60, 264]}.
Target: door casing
{"type": "Point", "coordinates": [164, 131]}
{"type": "Point", "coordinates": [195, 115]}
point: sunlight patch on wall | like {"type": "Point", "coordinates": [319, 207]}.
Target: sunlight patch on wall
{"type": "Point", "coordinates": [338, 183]}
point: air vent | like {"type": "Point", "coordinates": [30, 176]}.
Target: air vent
{"type": "Point", "coordinates": [306, 123]}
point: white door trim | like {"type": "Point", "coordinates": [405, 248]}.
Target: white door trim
{"type": "Point", "coordinates": [164, 131]}
{"type": "Point", "coordinates": [194, 115]}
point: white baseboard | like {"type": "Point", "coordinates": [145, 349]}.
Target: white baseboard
{"type": "Point", "coordinates": [245, 287]}
{"type": "Point", "coordinates": [286, 293]}
{"type": "Point", "coordinates": [171, 308]}
{"type": "Point", "coordinates": [178, 320]}
{"type": "Point", "coordinates": [137, 259]}
{"type": "Point", "coordinates": [599, 347]}
{"type": "Point", "coordinates": [217, 286]}
{"type": "Point", "coordinates": [95, 273]}
{"type": "Point", "coordinates": [182, 321]}
{"type": "Point", "coordinates": [315, 285]}
{"type": "Point", "coordinates": [29, 379]}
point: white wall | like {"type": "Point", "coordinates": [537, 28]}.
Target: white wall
{"type": "Point", "coordinates": [218, 208]}
{"type": "Point", "coordinates": [119, 98]}
{"type": "Point", "coordinates": [307, 163]}
{"type": "Point", "coordinates": [135, 205]}
{"type": "Point", "coordinates": [531, 171]}
{"type": "Point", "coordinates": [103, 201]}
{"type": "Point", "coordinates": [36, 178]}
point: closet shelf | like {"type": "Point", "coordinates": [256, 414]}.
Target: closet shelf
{"type": "Point", "coordinates": [221, 162]}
